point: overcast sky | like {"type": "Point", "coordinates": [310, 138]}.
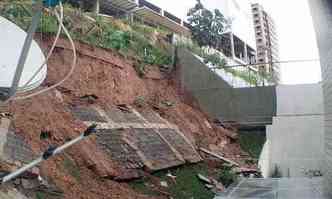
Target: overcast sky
{"type": "Point", "coordinates": [296, 35]}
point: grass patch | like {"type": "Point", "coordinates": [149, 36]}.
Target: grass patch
{"type": "Point", "coordinates": [187, 185]}
{"type": "Point", "coordinates": [227, 176]}
{"type": "Point", "coordinates": [138, 41]}
{"type": "Point", "coordinates": [40, 195]}
{"type": "Point", "coordinates": [252, 143]}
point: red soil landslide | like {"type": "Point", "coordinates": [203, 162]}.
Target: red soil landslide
{"type": "Point", "coordinates": [113, 80]}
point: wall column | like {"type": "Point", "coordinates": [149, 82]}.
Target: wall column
{"type": "Point", "coordinates": [322, 16]}
{"type": "Point", "coordinates": [96, 8]}
{"type": "Point", "coordinates": [232, 45]}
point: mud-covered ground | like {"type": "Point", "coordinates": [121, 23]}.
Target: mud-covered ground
{"type": "Point", "coordinates": [113, 80]}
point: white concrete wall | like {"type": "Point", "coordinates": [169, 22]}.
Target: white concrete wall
{"type": "Point", "coordinates": [306, 99]}
{"type": "Point", "coordinates": [296, 136]}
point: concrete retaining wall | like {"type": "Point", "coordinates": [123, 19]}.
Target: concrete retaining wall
{"type": "Point", "coordinates": [297, 134]}
{"type": "Point", "coordinates": [300, 100]}
{"type": "Point", "coordinates": [219, 99]}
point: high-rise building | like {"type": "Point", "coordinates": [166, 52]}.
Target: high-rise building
{"type": "Point", "coordinates": [266, 40]}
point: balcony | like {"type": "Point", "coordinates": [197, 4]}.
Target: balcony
{"type": "Point", "coordinates": [152, 14]}
{"type": "Point", "coordinates": [123, 5]}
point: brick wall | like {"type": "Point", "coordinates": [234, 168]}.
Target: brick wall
{"type": "Point", "coordinates": [322, 16]}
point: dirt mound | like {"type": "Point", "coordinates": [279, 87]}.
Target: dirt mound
{"type": "Point", "coordinates": [84, 171]}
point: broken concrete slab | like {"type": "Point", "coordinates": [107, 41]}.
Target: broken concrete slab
{"type": "Point", "coordinates": [11, 193]}
{"type": "Point", "coordinates": [177, 140]}
{"type": "Point", "coordinates": [13, 149]}
{"type": "Point", "coordinates": [112, 141]}
{"type": "Point", "coordinates": [138, 139]}
{"type": "Point", "coordinates": [87, 114]}
{"type": "Point", "coordinates": [219, 157]}
{"type": "Point", "coordinates": [121, 116]}
{"type": "Point", "coordinates": [154, 151]}
{"type": "Point", "coordinates": [152, 117]}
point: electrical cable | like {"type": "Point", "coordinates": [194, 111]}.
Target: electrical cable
{"type": "Point", "coordinates": [51, 50]}
{"type": "Point", "coordinates": [73, 65]}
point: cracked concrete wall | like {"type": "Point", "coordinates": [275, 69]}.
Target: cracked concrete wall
{"type": "Point", "coordinates": [322, 17]}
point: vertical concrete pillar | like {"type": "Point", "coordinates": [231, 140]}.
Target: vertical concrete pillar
{"type": "Point", "coordinates": [246, 53]}
{"type": "Point", "coordinates": [96, 9]}
{"type": "Point", "coordinates": [232, 45]}
{"type": "Point", "coordinates": [322, 17]}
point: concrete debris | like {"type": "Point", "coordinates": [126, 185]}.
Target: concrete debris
{"type": "Point", "coordinates": [163, 184]}
{"type": "Point", "coordinates": [12, 193]}
{"type": "Point", "coordinates": [209, 186]}
{"type": "Point", "coordinates": [91, 99]}
{"type": "Point", "coordinates": [172, 177]}
{"type": "Point", "coordinates": [29, 184]}
{"type": "Point", "coordinates": [219, 157]}
{"type": "Point", "coordinates": [211, 183]}
{"type": "Point", "coordinates": [58, 96]}
{"type": "Point", "coordinates": [124, 108]}
{"type": "Point", "coordinates": [204, 179]}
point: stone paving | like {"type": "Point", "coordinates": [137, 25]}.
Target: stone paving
{"type": "Point", "coordinates": [138, 139]}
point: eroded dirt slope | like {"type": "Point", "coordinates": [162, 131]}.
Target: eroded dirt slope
{"type": "Point", "coordinates": [114, 81]}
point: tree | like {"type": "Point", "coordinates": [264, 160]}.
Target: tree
{"type": "Point", "coordinates": [207, 27]}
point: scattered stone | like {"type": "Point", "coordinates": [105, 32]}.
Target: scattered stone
{"type": "Point", "coordinates": [29, 184]}
{"type": "Point", "coordinates": [163, 184]}
{"type": "Point", "coordinates": [209, 186]}
{"type": "Point", "coordinates": [17, 182]}
{"type": "Point", "coordinates": [124, 108]}
{"type": "Point", "coordinates": [91, 99]}
{"type": "Point", "coordinates": [204, 179]}
{"type": "Point", "coordinates": [218, 185]}
{"type": "Point", "coordinates": [58, 96]}
{"type": "Point", "coordinates": [207, 123]}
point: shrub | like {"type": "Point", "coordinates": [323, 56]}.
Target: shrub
{"type": "Point", "coordinates": [227, 176]}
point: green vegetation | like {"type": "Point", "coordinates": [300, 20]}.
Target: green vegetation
{"type": "Point", "coordinates": [134, 40]}
{"type": "Point", "coordinates": [252, 142]}
{"type": "Point", "coordinates": [187, 184]}
{"type": "Point", "coordinates": [40, 195]}
{"type": "Point", "coordinates": [227, 176]}
{"type": "Point", "coordinates": [207, 27]}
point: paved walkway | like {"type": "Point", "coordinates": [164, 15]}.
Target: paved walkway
{"type": "Point", "coordinates": [284, 188]}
